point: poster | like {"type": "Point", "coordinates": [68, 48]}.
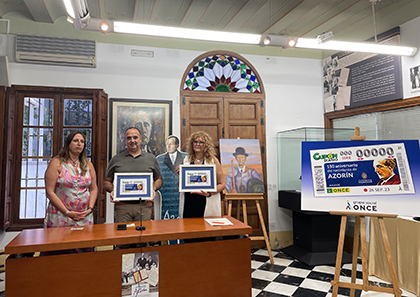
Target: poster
{"type": "Point", "coordinates": [140, 274]}
{"type": "Point", "coordinates": [361, 176]}
{"type": "Point", "coordinates": [358, 79]}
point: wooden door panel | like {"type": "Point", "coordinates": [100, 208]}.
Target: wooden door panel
{"type": "Point", "coordinates": [244, 132]}
{"type": "Point", "coordinates": [242, 111]}
{"type": "Point", "coordinates": [199, 110]}
{"type": "Point", "coordinates": [200, 114]}
{"type": "Point", "coordinates": [212, 131]}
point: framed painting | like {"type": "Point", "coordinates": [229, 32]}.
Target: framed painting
{"type": "Point", "coordinates": [241, 164]}
{"type": "Point", "coordinates": [152, 117]}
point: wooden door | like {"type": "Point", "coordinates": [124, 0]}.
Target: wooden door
{"type": "Point", "coordinates": [244, 118]}
{"type": "Point", "coordinates": [227, 116]}
{"type": "Point", "coordinates": [100, 158]}
{"type": "Point", "coordinates": [202, 115]}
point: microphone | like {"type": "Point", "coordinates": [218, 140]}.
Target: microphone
{"type": "Point", "coordinates": [141, 227]}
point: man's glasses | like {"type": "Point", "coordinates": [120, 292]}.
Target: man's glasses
{"type": "Point", "coordinates": [198, 142]}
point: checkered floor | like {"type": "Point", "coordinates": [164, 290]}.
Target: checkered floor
{"type": "Point", "coordinates": [289, 277]}
{"type": "Point", "coordinates": [2, 283]}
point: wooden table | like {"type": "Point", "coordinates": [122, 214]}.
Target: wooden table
{"type": "Point", "coordinates": [212, 268]}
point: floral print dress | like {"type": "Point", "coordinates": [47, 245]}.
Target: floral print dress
{"type": "Point", "coordinates": [73, 190]}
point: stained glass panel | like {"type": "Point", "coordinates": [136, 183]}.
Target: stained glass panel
{"type": "Point", "coordinates": [222, 73]}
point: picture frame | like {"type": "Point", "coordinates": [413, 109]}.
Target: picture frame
{"type": "Point", "coordinates": [196, 178]}
{"type": "Point", "coordinates": [152, 117]}
{"type": "Point", "coordinates": [242, 166]}
{"type": "Point", "coordinates": [133, 186]}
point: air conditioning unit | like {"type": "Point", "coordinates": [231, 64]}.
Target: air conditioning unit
{"type": "Point", "coordinates": [55, 50]}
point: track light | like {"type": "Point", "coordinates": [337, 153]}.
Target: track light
{"type": "Point", "coordinates": [104, 27]}
{"type": "Point", "coordinates": [78, 13]}
{"type": "Point", "coordinates": [278, 40]}
{"type": "Point", "coordinates": [162, 31]}
{"type": "Point", "coordinates": [334, 45]}
{"type": "Point", "coordinates": [363, 47]}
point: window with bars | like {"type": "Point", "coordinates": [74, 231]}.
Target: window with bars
{"type": "Point", "coordinates": [37, 146]}
{"type": "Point", "coordinates": [37, 122]}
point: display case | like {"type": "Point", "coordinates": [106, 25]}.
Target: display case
{"type": "Point", "coordinates": [289, 150]}
{"type": "Point", "coordinates": [315, 234]}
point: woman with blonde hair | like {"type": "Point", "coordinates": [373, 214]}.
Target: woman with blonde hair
{"type": "Point", "coordinates": [200, 150]}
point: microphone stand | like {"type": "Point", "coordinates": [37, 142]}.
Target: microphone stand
{"type": "Point", "coordinates": [141, 227]}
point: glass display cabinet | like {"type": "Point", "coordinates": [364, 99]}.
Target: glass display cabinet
{"type": "Point", "coordinates": [289, 159]}
{"type": "Point", "coordinates": [315, 234]}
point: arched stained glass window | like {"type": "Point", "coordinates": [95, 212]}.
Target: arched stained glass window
{"type": "Point", "coordinates": [222, 73]}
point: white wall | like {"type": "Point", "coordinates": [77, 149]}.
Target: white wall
{"type": "Point", "coordinates": [410, 37]}
{"type": "Point", "coordinates": [293, 95]}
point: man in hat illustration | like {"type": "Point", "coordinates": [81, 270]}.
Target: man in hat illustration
{"type": "Point", "coordinates": [242, 175]}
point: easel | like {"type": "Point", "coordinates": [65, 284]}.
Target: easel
{"type": "Point", "coordinates": [360, 225]}
{"type": "Point", "coordinates": [248, 197]}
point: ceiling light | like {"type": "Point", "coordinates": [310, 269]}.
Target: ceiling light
{"type": "Point", "coordinates": [266, 40]}
{"type": "Point", "coordinates": [278, 40]}
{"type": "Point", "coordinates": [78, 13]}
{"type": "Point", "coordinates": [364, 47]}
{"type": "Point", "coordinates": [324, 37]}
{"type": "Point", "coordinates": [334, 45]}
{"type": "Point", "coordinates": [161, 31]}
{"type": "Point", "coordinates": [104, 27]}
{"type": "Point", "coordinates": [69, 7]}
{"type": "Point", "coordinates": [291, 42]}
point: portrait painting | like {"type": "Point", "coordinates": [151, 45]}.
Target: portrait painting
{"type": "Point", "coordinates": [153, 118]}
{"type": "Point", "coordinates": [242, 166]}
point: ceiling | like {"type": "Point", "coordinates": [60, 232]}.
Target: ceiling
{"type": "Point", "coordinates": [347, 19]}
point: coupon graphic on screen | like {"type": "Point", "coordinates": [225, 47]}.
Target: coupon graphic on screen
{"type": "Point", "coordinates": [133, 186]}
{"type": "Point", "coordinates": [201, 177]}
{"type": "Point", "coordinates": [381, 169]}
{"type": "Point", "coordinates": [197, 178]}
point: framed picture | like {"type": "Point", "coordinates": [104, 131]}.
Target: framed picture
{"type": "Point", "coordinates": [197, 178]}
{"type": "Point", "coordinates": [241, 165]}
{"type": "Point", "coordinates": [133, 186]}
{"type": "Point", "coordinates": [152, 117]}
{"type": "Point", "coordinates": [415, 78]}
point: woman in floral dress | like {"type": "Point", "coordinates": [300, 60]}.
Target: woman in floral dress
{"type": "Point", "coordinates": [70, 182]}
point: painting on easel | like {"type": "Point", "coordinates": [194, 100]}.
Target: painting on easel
{"type": "Point", "coordinates": [241, 164]}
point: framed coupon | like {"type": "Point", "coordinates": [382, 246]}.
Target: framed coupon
{"type": "Point", "coordinates": [381, 176]}
{"type": "Point", "coordinates": [197, 178]}
{"type": "Point", "coordinates": [380, 169]}
{"type": "Point", "coordinates": [133, 186]}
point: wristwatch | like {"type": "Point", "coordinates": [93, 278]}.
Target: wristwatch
{"type": "Point", "coordinates": [209, 194]}
{"type": "Point", "coordinates": [90, 209]}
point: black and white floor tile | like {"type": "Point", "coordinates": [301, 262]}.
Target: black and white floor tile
{"type": "Point", "coordinates": [289, 277]}
{"type": "Point", "coordinates": [2, 283]}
